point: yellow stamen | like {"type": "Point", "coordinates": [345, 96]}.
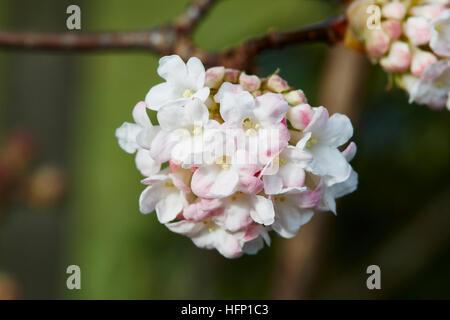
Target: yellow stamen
{"type": "Point", "coordinates": [187, 93]}
{"type": "Point", "coordinates": [311, 142]}
{"type": "Point", "coordinates": [169, 184]}
{"type": "Point", "coordinates": [197, 130]}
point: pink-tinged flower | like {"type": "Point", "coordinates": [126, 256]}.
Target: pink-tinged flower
{"type": "Point", "coordinates": [209, 235]}
{"type": "Point", "coordinates": [429, 11]}
{"type": "Point", "coordinates": [338, 190]}
{"type": "Point", "coordinates": [249, 82]}
{"type": "Point", "coordinates": [418, 30]}
{"type": "Point", "coordinates": [393, 29]}
{"type": "Point", "coordinates": [186, 133]}
{"type": "Point", "coordinates": [231, 75]}
{"type": "Point", "coordinates": [228, 174]}
{"type": "Point", "coordinates": [394, 10]}
{"type": "Point", "coordinates": [203, 209]}
{"type": "Point", "coordinates": [183, 82]}
{"type": "Point", "coordinates": [377, 43]}
{"type": "Point", "coordinates": [277, 84]}
{"type": "Point", "coordinates": [321, 138]}
{"type": "Point", "coordinates": [255, 237]}
{"type": "Point", "coordinates": [213, 234]}
{"type": "Point", "coordinates": [433, 87]}
{"type": "Point", "coordinates": [398, 59]}
{"type": "Point", "coordinates": [241, 210]}
{"type": "Point", "coordinates": [295, 97]}
{"type": "Point", "coordinates": [289, 168]}
{"type": "Point", "coordinates": [166, 193]}
{"type": "Point", "coordinates": [440, 34]}
{"type": "Point", "coordinates": [300, 116]}
{"type": "Point", "coordinates": [420, 60]}
{"type": "Point", "coordinates": [138, 137]}
{"type": "Point", "coordinates": [214, 77]}
{"type": "Point", "coordinates": [294, 208]}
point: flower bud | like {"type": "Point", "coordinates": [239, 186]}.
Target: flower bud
{"type": "Point", "coordinates": [276, 84]}
{"type": "Point", "coordinates": [295, 97]}
{"type": "Point", "coordinates": [300, 116]}
{"type": "Point", "coordinates": [214, 77]}
{"type": "Point", "coordinates": [377, 43]}
{"type": "Point", "coordinates": [231, 75]}
{"type": "Point", "coordinates": [428, 12]}
{"type": "Point", "coordinates": [357, 17]}
{"type": "Point", "coordinates": [248, 82]}
{"type": "Point", "coordinates": [394, 10]}
{"type": "Point", "coordinates": [393, 28]}
{"type": "Point", "coordinates": [417, 29]}
{"type": "Point", "coordinates": [420, 60]}
{"type": "Point", "coordinates": [399, 58]}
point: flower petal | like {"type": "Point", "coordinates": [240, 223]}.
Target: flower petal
{"type": "Point", "coordinates": [146, 164]}
{"type": "Point", "coordinates": [126, 135]}
{"type": "Point", "coordinates": [263, 212]}
{"type": "Point", "coordinates": [214, 182]}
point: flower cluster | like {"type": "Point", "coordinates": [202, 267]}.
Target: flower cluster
{"type": "Point", "coordinates": [411, 41]}
{"type": "Point", "coordinates": [235, 156]}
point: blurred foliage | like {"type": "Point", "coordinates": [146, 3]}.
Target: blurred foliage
{"type": "Point", "coordinates": [402, 160]}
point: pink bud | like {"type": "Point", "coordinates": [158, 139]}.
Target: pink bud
{"type": "Point", "coordinates": [428, 12]}
{"type": "Point", "coordinates": [399, 58]}
{"type": "Point", "coordinates": [417, 29]}
{"type": "Point", "coordinates": [393, 28]}
{"type": "Point", "coordinates": [249, 83]}
{"type": "Point", "coordinates": [377, 43]}
{"type": "Point", "coordinates": [394, 10]}
{"type": "Point", "coordinates": [231, 75]}
{"type": "Point", "coordinates": [295, 97]}
{"type": "Point", "coordinates": [214, 77]}
{"type": "Point", "coordinates": [421, 60]}
{"type": "Point", "coordinates": [277, 84]}
{"type": "Point", "coordinates": [300, 116]}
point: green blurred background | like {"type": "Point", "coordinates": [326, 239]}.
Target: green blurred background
{"type": "Point", "coordinates": [71, 104]}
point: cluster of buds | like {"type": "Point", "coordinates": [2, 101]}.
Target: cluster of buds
{"type": "Point", "coordinates": [410, 39]}
{"type": "Point", "coordinates": [235, 156]}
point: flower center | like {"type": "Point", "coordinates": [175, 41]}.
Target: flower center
{"type": "Point", "coordinates": [169, 184]}
{"type": "Point", "coordinates": [224, 162]}
{"type": "Point", "coordinates": [311, 142]}
{"type": "Point", "coordinates": [187, 93]}
{"type": "Point", "coordinates": [197, 130]}
{"type": "Point", "coordinates": [249, 124]}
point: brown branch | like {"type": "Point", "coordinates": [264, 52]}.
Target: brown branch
{"type": "Point", "coordinates": [194, 13]}
{"type": "Point", "coordinates": [175, 39]}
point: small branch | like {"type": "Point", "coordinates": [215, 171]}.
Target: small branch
{"type": "Point", "coordinates": [194, 13]}
{"type": "Point", "coordinates": [175, 39]}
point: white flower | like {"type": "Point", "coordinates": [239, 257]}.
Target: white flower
{"type": "Point", "coordinates": [166, 193]}
{"type": "Point", "coordinates": [440, 34]}
{"type": "Point", "coordinates": [322, 137]}
{"type": "Point", "coordinates": [289, 168]}
{"type": "Point", "coordinates": [183, 82]}
{"type": "Point", "coordinates": [338, 190]}
{"type": "Point", "coordinates": [138, 137]}
{"type": "Point", "coordinates": [187, 134]}
{"type": "Point", "coordinates": [294, 208]}
{"type": "Point", "coordinates": [433, 87]}
{"type": "Point", "coordinates": [209, 234]}
{"type": "Point", "coordinates": [228, 174]}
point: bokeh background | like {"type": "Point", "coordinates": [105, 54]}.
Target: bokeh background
{"type": "Point", "coordinates": [69, 194]}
